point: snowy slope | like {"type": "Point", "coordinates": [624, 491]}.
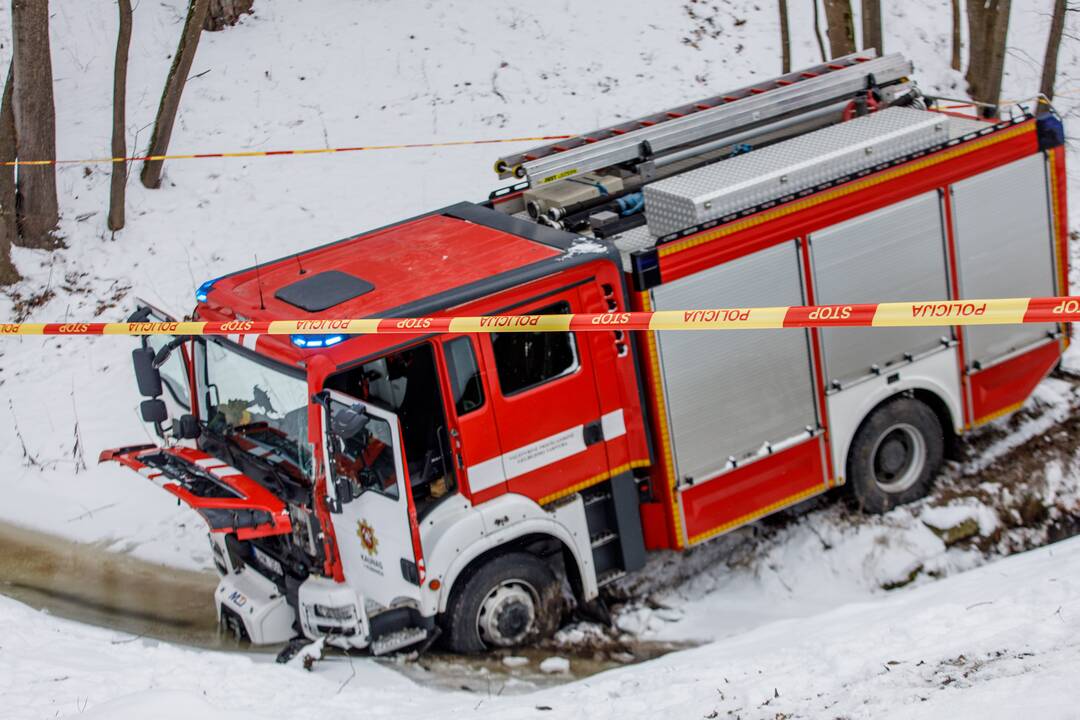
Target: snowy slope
{"type": "Point", "coordinates": [997, 642]}
{"type": "Point", "coordinates": [336, 72]}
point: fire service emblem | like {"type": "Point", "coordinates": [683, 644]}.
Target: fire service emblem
{"type": "Point", "coordinates": [366, 533]}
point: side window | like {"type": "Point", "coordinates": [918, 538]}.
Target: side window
{"type": "Point", "coordinates": [525, 360]}
{"type": "Point", "coordinates": [465, 380]}
{"type": "Point", "coordinates": [173, 372]}
{"type": "Point", "coordinates": [369, 451]}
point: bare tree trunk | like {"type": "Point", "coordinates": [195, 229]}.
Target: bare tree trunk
{"type": "Point", "coordinates": [817, 31]}
{"type": "Point", "coordinates": [955, 63]}
{"type": "Point", "coordinates": [119, 119]}
{"type": "Point", "coordinates": [174, 88]}
{"type": "Point", "coordinates": [223, 13]}
{"type": "Point", "coordinates": [8, 227]}
{"type": "Point", "coordinates": [988, 23]}
{"type": "Point", "coordinates": [871, 25]}
{"type": "Point", "coordinates": [785, 38]}
{"type": "Point", "coordinates": [841, 27]}
{"type": "Point", "coordinates": [1053, 44]}
{"type": "Point", "coordinates": [37, 212]}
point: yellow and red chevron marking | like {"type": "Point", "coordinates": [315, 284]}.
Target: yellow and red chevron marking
{"type": "Point", "coordinates": [1000, 311]}
{"type": "Point", "coordinates": [278, 153]}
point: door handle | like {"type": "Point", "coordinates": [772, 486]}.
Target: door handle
{"type": "Point", "coordinates": [594, 433]}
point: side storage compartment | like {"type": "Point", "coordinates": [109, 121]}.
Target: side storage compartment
{"type": "Point", "coordinates": [895, 254]}
{"type": "Point", "coordinates": [1005, 248]}
{"type": "Point", "coordinates": [741, 404]}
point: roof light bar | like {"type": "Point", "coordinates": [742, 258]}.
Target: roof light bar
{"type": "Point", "coordinates": [316, 341]}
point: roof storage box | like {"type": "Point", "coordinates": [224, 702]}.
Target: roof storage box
{"type": "Point", "coordinates": [745, 181]}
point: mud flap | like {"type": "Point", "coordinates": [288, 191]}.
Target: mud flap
{"type": "Point", "coordinates": [596, 611]}
{"type": "Point", "coordinates": [228, 500]}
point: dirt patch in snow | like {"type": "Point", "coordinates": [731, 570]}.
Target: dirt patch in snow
{"type": "Point", "coordinates": [1027, 486]}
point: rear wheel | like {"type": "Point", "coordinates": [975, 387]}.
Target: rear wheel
{"type": "Point", "coordinates": [509, 601]}
{"type": "Point", "coordinates": [895, 455]}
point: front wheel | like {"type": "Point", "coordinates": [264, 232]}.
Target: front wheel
{"type": "Point", "coordinates": [510, 601]}
{"type": "Point", "coordinates": [895, 455]}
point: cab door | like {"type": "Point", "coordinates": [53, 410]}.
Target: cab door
{"type": "Point", "coordinates": [474, 437]}
{"type": "Point", "coordinates": [374, 517]}
{"type": "Point", "coordinates": [546, 405]}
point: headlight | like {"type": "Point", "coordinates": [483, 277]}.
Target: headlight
{"type": "Point", "coordinates": [344, 612]}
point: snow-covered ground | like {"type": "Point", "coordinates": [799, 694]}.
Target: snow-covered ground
{"type": "Point", "coordinates": [996, 642]}
{"type": "Point", "coordinates": [803, 602]}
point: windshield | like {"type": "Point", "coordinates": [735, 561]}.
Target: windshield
{"type": "Point", "coordinates": [261, 408]}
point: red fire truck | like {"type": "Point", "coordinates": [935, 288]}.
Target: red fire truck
{"type": "Point", "coordinates": [380, 491]}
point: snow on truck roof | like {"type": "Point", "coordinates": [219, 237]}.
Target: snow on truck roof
{"type": "Point", "coordinates": [415, 267]}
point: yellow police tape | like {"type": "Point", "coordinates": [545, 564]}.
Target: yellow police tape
{"type": "Point", "coordinates": [1001, 311]}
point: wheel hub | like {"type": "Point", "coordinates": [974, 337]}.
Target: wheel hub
{"type": "Point", "coordinates": [892, 456]}
{"type": "Point", "coordinates": [898, 458]}
{"type": "Point", "coordinates": [508, 614]}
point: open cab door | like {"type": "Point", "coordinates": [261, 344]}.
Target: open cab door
{"type": "Point", "coordinates": [228, 500]}
{"type": "Point", "coordinates": [372, 508]}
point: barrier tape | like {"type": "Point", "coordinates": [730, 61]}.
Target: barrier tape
{"type": "Point", "coordinates": [1007, 311]}
{"type": "Point", "coordinates": [277, 153]}
{"type": "Point", "coordinates": [362, 148]}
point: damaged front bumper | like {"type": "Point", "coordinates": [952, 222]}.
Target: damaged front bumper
{"type": "Point", "coordinates": [248, 600]}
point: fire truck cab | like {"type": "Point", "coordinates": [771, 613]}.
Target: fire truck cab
{"type": "Point", "coordinates": [382, 490]}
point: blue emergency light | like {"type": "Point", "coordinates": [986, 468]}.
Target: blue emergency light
{"type": "Point", "coordinates": [316, 341]}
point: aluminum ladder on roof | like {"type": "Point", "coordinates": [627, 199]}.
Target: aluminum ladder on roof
{"type": "Point", "coordinates": [705, 119]}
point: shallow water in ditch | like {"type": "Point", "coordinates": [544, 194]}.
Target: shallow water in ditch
{"type": "Point", "coordinates": [491, 675]}
{"type": "Point", "coordinates": [89, 584]}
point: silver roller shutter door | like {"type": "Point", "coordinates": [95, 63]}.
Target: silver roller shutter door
{"type": "Point", "coordinates": [729, 393]}
{"type": "Point", "coordinates": [1005, 249]}
{"type": "Point", "coordinates": [891, 255]}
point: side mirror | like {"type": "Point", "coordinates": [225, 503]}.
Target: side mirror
{"type": "Point", "coordinates": [350, 422]}
{"type": "Point", "coordinates": [167, 349]}
{"type": "Point", "coordinates": [153, 411]}
{"type": "Point", "coordinates": [187, 428]}
{"type": "Point", "coordinates": [146, 375]}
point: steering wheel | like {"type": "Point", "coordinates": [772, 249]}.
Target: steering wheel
{"type": "Point", "coordinates": [432, 462]}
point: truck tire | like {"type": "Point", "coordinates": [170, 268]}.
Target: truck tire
{"type": "Point", "coordinates": [895, 455]}
{"type": "Point", "coordinates": [509, 601]}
